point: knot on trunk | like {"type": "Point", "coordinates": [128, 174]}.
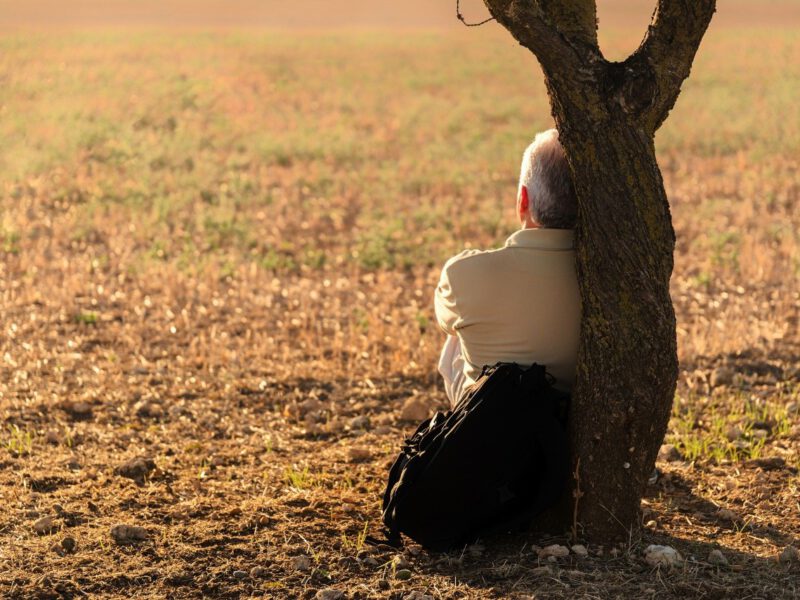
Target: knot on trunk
{"type": "Point", "coordinates": [630, 85]}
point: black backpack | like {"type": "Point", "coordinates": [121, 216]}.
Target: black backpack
{"type": "Point", "coordinates": [491, 464]}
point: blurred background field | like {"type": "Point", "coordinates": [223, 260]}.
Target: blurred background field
{"type": "Point", "coordinates": [211, 215]}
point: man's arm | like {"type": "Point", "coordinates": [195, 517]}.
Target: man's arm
{"type": "Point", "coordinates": [445, 304]}
{"type": "Point", "coordinates": [449, 308]}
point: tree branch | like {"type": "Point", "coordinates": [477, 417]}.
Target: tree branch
{"type": "Point", "coordinates": [667, 52]}
{"type": "Point", "coordinates": [562, 35]}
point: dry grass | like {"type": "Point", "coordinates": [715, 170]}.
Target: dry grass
{"type": "Point", "coordinates": [219, 250]}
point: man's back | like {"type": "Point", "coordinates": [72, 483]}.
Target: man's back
{"type": "Point", "coordinates": [519, 303]}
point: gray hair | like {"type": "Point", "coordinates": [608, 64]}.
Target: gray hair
{"type": "Point", "coordinates": [545, 173]}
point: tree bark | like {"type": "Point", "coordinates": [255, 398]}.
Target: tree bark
{"type": "Point", "coordinates": [607, 114]}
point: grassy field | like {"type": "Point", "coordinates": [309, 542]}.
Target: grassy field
{"type": "Point", "coordinates": [218, 253]}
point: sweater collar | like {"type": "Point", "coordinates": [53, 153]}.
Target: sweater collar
{"type": "Point", "coordinates": [542, 239]}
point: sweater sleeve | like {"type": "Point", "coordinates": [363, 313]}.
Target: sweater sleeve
{"type": "Point", "coordinates": [448, 311]}
{"type": "Point", "coordinates": [445, 304]}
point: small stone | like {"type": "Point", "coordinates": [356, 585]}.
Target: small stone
{"type": "Point", "coordinates": [382, 430]}
{"type": "Point", "coordinates": [361, 422]}
{"type": "Point", "coordinates": [383, 584]}
{"type": "Point", "coordinates": [148, 410]}
{"type": "Point", "coordinates": [579, 550]}
{"type": "Point", "coordinates": [329, 594]}
{"type": "Point", "coordinates": [400, 562]}
{"type": "Point", "coordinates": [128, 534]}
{"type": "Point", "coordinates": [414, 409]}
{"type": "Point", "coordinates": [45, 525]}
{"type": "Point", "coordinates": [669, 453]}
{"type": "Point", "coordinates": [662, 556]}
{"type": "Point", "coordinates": [301, 563]}
{"type": "Point", "coordinates": [542, 571]}
{"type": "Point", "coordinates": [554, 550]}
{"type": "Point", "coordinates": [137, 469]}
{"type": "Point", "coordinates": [52, 437]}
{"type": "Point", "coordinates": [759, 434]}
{"type": "Point", "coordinates": [733, 433]}
{"type": "Point", "coordinates": [715, 557]}
{"type": "Point", "coordinates": [370, 561]}
{"type": "Point", "coordinates": [721, 376]}
{"type": "Point", "coordinates": [402, 575]}
{"type": "Point", "coordinates": [790, 555]}
{"type": "Point", "coordinates": [79, 411]}
{"type": "Point", "coordinates": [415, 595]}
{"type": "Point", "coordinates": [239, 574]}
{"type": "Point", "coordinates": [651, 524]}
{"type": "Point", "coordinates": [257, 572]}
{"type": "Point", "coordinates": [356, 454]}
{"type": "Point", "coordinates": [347, 562]}
{"type": "Point", "coordinates": [792, 408]}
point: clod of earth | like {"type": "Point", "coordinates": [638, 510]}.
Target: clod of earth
{"type": "Point", "coordinates": [556, 550]}
{"type": "Point", "coordinates": [137, 469]}
{"type": "Point", "coordinates": [669, 453]}
{"type": "Point", "coordinates": [128, 534]}
{"type": "Point", "coordinates": [45, 525]}
{"type": "Point", "coordinates": [476, 550]}
{"type": "Point", "coordinates": [721, 376]}
{"type": "Point", "coordinates": [360, 422]}
{"type": "Point", "coordinates": [301, 563]}
{"type": "Point", "coordinates": [357, 454]}
{"type": "Point", "coordinates": [768, 463]}
{"type": "Point", "coordinates": [257, 572]}
{"type": "Point", "coordinates": [715, 557]}
{"type": "Point", "coordinates": [724, 514]}
{"type": "Point", "coordinates": [414, 409]}
{"type": "Point", "coordinates": [66, 546]}
{"type": "Point", "coordinates": [662, 556]}
{"type": "Point", "coordinates": [790, 555]}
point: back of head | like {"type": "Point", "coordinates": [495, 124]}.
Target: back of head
{"type": "Point", "coordinates": [545, 174]}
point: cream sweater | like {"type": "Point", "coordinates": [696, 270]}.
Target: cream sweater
{"type": "Point", "coordinates": [519, 303]}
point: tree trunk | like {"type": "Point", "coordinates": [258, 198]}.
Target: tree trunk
{"type": "Point", "coordinates": [607, 114]}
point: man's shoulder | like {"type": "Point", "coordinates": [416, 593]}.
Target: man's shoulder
{"type": "Point", "coordinates": [471, 259]}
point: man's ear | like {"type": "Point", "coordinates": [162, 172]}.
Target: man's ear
{"type": "Point", "coordinates": [523, 204]}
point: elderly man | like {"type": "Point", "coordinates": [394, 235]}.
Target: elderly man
{"type": "Point", "coordinates": [519, 303]}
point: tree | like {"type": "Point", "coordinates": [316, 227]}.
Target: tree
{"type": "Point", "coordinates": [607, 114]}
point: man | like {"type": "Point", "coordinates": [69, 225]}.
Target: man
{"type": "Point", "coordinates": [519, 303]}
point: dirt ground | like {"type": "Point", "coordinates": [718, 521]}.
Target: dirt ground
{"type": "Point", "coordinates": [265, 485]}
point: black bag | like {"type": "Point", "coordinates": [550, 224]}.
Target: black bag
{"type": "Point", "coordinates": [490, 465]}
